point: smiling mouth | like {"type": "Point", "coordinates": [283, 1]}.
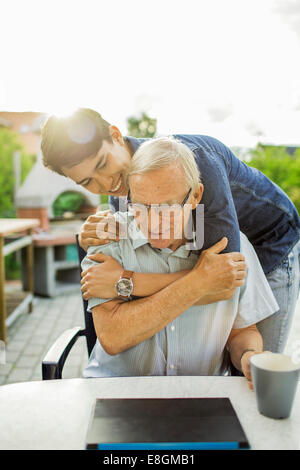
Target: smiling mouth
{"type": "Point", "coordinates": [117, 187]}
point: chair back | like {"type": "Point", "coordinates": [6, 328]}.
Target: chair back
{"type": "Point", "coordinates": [89, 331]}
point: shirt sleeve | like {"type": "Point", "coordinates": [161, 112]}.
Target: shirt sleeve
{"type": "Point", "coordinates": [118, 204]}
{"type": "Point", "coordinates": [111, 249]}
{"type": "Point", "coordinates": [256, 299]}
{"type": "Point", "coordinates": [220, 217]}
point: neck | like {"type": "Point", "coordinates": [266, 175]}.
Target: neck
{"type": "Point", "coordinates": [177, 243]}
{"type": "Point", "coordinates": [128, 147]}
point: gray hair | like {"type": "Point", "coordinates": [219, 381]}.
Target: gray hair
{"type": "Point", "coordinates": [160, 152]}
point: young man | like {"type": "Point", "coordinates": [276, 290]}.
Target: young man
{"type": "Point", "coordinates": [170, 331]}
{"type": "Point", "coordinates": [93, 153]}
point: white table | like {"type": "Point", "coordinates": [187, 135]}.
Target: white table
{"type": "Point", "coordinates": [55, 414]}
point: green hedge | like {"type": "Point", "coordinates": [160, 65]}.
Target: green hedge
{"type": "Point", "coordinates": [67, 201]}
{"type": "Point", "coordinates": [281, 167]}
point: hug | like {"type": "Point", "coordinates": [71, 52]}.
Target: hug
{"type": "Point", "coordinates": [159, 306]}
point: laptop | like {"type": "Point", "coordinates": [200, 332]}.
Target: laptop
{"type": "Point", "coordinates": [164, 423]}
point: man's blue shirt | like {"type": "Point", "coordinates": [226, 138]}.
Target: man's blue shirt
{"type": "Point", "coordinates": [238, 198]}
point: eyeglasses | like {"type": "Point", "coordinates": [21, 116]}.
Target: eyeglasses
{"type": "Point", "coordinates": [134, 207]}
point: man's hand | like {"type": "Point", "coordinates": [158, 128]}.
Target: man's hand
{"type": "Point", "coordinates": [100, 280]}
{"type": "Point", "coordinates": [221, 273]}
{"type": "Point", "coordinates": [99, 229]}
{"type": "Point", "coordinates": [245, 365]}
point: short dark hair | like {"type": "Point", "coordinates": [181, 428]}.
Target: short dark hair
{"type": "Point", "coordinates": [67, 141]}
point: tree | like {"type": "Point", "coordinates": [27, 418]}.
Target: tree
{"type": "Point", "coordinates": [281, 167]}
{"type": "Point", "coordinates": [10, 143]}
{"type": "Point", "coordinates": [142, 126]}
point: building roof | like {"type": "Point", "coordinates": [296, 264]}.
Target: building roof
{"type": "Point", "coordinates": [42, 186]}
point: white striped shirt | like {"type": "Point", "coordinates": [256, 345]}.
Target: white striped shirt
{"type": "Point", "coordinates": [194, 342]}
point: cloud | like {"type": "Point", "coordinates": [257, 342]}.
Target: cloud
{"type": "Point", "coordinates": [254, 129]}
{"type": "Point", "coordinates": [289, 11]}
{"type": "Point", "coordinates": [219, 113]}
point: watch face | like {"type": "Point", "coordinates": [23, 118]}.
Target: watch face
{"type": "Point", "coordinates": [124, 287]}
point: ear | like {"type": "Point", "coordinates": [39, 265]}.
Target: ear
{"type": "Point", "coordinates": [197, 195]}
{"type": "Point", "coordinates": [116, 135]}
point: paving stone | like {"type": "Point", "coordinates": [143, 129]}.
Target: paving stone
{"type": "Point", "coordinates": [37, 370]}
{"type": "Point", "coordinates": [12, 356]}
{"type": "Point", "coordinates": [5, 369]}
{"type": "Point", "coordinates": [39, 339]}
{"type": "Point", "coordinates": [26, 361]}
{"type": "Point", "coordinates": [33, 349]}
{"type": "Point", "coordinates": [71, 372]}
{"type": "Point", "coordinates": [23, 335]}
{"type": "Point", "coordinates": [72, 360]}
{"type": "Point", "coordinates": [37, 376]}
{"type": "Point", "coordinates": [16, 345]}
{"type": "Point", "coordinates": [19, 375]}
{"type": "Point", "coordinates": [2, 380]}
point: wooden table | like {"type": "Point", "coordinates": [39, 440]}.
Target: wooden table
{"type": "Point", "coordinates": [54, 414]}
{"type": "Point", "coordinates": [9, 227]}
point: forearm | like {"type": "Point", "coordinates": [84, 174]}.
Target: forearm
{"type": "Point", "coordinates": [247, 338]}
{"type": "Point", "coordinates": [217, 297]}
{"type": "Point", "coordinates": [131, 323]}
{"type": "Point", "coordinates": [146, 284]}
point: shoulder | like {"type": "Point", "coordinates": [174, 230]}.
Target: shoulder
{"type": "Point", "coordinates": [201, 141]}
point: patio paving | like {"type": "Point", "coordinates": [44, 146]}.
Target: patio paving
{"type": "Point", "coordinates": [31, 335]}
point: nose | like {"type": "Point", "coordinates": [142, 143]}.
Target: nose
{"type": "Point", "coordinates": [154, 220]}
{"type": "Point", "coordinates": [104, 183]}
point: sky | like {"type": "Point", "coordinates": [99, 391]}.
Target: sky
{"type": "Point", "coordinates": [226, 68]}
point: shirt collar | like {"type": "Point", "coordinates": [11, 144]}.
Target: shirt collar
{"type": "Point", "coordinates": [137, 237]}
{"type": "Point", "coordinates": [134, 142]}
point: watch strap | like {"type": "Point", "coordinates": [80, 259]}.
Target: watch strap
{"type": "Point", "coordinates": [127, 274]}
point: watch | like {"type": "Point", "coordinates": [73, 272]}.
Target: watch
{"type": "Point", "coordinates": [124, 285]}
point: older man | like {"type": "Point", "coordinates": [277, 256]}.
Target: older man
{"type": "Point", "coordinates": [92, 152]}
{"type": "Point", "coordinates": [185, 337]}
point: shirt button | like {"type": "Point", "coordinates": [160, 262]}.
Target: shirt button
{"type": "Point", "coordinates": [172, 366]}
{"type": "Point", "coordinates": [172, 328]}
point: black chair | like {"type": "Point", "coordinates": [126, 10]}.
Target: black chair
{"type": "Point", "coordinates": [53, 362]}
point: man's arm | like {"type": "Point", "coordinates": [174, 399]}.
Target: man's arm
{"type": "Point", "coordinates": [239, 341]}
{"type": "Point", "coordinates": [121, 325]}
{"type": "Point", "coordinates": [146, 284]}
{"type": "Point", "coordinates": [99, 281]}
